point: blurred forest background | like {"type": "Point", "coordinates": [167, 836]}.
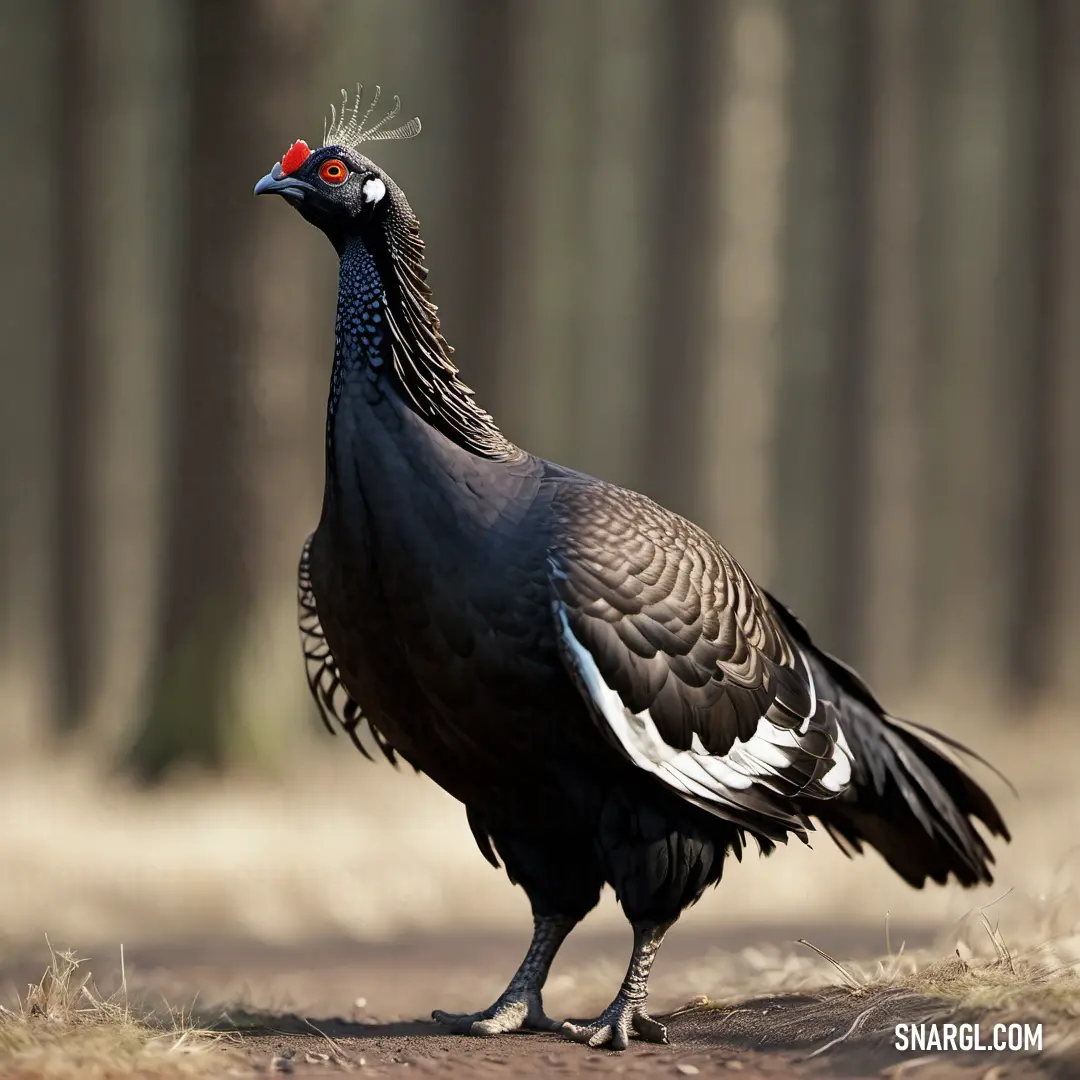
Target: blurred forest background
{"type": "Point", "coordinates": [807, 271]}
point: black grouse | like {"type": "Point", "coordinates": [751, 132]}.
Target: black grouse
{"type": "Point", "coordinates": [594, 677]}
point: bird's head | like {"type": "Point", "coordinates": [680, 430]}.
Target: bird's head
{"type": "Point", "coordinates": [335, 187]}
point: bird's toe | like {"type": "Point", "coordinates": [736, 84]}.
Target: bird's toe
{"type": "Point", "coordinates": [541, 1022]}
{"type": "Point", "coordinates": [613, 1026]}
{"type": "Point", "coordinates": [649, 1029]}
{"type": "Point", "coordinates": [460, 1023]}
{"type": "Point", "coordinates": [614, 1035]}
{"type": "Point", "coordinates": [495, 1025]}
{"type": "Point", "coordinates": [508, 1014]}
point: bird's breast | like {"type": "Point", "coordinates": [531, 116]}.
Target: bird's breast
{"type": "Point", "coordinates": [431, 583]}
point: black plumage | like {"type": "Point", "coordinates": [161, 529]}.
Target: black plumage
{"type": "Point", "coordinates": [593, 676]}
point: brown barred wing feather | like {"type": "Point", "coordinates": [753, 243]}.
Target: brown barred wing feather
{"type": "Point", "coordinates": [684, 664]}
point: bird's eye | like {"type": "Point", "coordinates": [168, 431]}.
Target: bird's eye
{"type": "Point", "coordinates": [334, 172]}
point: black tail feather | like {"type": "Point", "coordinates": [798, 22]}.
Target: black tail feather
{"type": "Point", "coordinates": [908, 799]}
{"type": "Point", "coordinates": [919, 812]}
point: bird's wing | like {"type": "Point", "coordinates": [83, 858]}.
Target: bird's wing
{"type": "Point", "coordinates": [685, 665]}
{"type": "Point", "coordinates": [336, 705]}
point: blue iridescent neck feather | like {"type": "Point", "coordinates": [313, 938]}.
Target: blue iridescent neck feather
{"type": "Point", "coordinates": [360, 333]}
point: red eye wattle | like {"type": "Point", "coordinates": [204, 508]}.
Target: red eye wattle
{"type": "Point", "coordinates": [334, 171]}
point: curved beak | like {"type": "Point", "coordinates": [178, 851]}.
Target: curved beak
{"type": "Point", "coordinates": [275, 182]}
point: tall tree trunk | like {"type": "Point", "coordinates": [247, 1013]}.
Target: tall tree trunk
{"type": "Point", "coordinates": [668, 449]}
{"type": "Point", "coordinates": [1047, 614]}
{"type": "Point", "coordinates": [486, 124]}
{"type": "Point", "coordinates": [892, 350]}
{"type": "Point", "coordinates": [820, 516]}
{"type": "Point", "coordinates": [980, 171]}
{"type": "Point", "coordinates": [743, 279]}
{"type": "Point", "coordinates": [620, 186]}
{"type": "Point", "coordinates": [543, 219]}
{"type": "Point", "coordinates": [30, 302]}
{"type": "Point", "coordinates": [79, 383]}
{"type": "Point", "coordinates": [236, 425]}
{"type": "Point", "coordinates": [122, 275]}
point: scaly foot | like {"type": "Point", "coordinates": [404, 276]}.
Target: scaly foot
{"type": "Point", "coordinates": [612, 1026]}
{"type": "Point", "coordinates": [522, 1011]}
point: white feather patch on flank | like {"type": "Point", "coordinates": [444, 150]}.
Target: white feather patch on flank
{"type": "Point", "coordinates": [813, 693]}
{"type": "Point", "coordinates": [638, 735]}
{"type": "Point", "coordinates": [839, 775]}
{"type": "Point", "coordinates": [699, 775]}
{"type": "Point", "coordinates": [373, 190]}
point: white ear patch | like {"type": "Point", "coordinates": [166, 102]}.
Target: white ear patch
{"type": "Point", "coordinates": [373, 189]}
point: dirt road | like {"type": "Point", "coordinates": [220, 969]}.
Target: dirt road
{"type": "Point", "coordinates": [343, 1005]}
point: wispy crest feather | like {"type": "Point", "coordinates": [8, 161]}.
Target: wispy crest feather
{"type": "Point", "coordinates": [349, 128]}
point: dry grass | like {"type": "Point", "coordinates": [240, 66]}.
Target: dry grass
{"type": "Point", "coordinates": [1039, 978]}
{"type": "Point", "coordinates": [63, 1028]}
{"type": "Point", "coordinates": [984, 979]}
{"type": "Point", "coordinates": [1037, 982]}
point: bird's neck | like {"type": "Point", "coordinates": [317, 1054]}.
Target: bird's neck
{"type": "Point", "coordinates": [402, 471]}
{"type": "Point", "coordinates": [387, 334]}
{"type": "Point", "coordinates": [361, 344]}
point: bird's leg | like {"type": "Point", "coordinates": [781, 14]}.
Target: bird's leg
{"type": "Point", "coordinates": [520, 1005]}
{"type": "Point", "coordinates": [612, 1027]}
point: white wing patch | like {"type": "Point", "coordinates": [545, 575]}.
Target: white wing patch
{"type": "Point", "coordinates": [711, 781]}
{"type": "Point", "coordinates": [838, 778]}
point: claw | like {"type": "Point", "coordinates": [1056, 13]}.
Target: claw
{"type": "Point", "coordinates": [612, 1027]}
